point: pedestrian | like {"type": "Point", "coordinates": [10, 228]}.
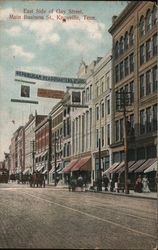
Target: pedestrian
{"type": "Point", "coordinates": [138, 187]}
{"type": "Point", "coordinates": [145, 183]}
{"type": "Point", "coordinates": [106, 182]}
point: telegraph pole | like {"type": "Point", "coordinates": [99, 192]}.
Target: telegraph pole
{"type": "Point", "coordinates": [124, 101]}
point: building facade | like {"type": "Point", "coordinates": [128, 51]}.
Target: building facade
{"type": "Point", "coordinates": [134, 36]}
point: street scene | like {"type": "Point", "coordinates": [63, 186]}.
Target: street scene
{"type": "Point", "coordinates": [59, 219]}
{"type": "Point", "coordinates": [78, 125]}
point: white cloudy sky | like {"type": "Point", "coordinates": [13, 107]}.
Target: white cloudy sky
{"type": "Point", "coordinates": [50, 47]}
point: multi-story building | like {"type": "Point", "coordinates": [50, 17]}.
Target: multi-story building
{"type": "Point", "coordinates": [42, 139]}
{"type": "Point", "coordinates": [30, 141]}
{"type": "Point", "coordinates": [134, 38]}
{"type": "Point", "coordinates": [21, 150]}
{"type": "Point", "coordinates": [102, 74]}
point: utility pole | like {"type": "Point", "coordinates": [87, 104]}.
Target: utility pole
{"type": "Point", "coordinates": [33, 154]}
{"type": "Point", "coordinates": [124, 101]}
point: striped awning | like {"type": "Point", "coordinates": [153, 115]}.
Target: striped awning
{"type": "Point", "coordinates": [152, 168]}
{"type": "Point", "coordinates": [136, 165]}
{"type": "Point", "coordinates": [84, 164]}
{"type": "Point", "coordinates": [122, 169]}
{"type": "Point", "coordinates": [70, 165]}
{"type": "Point", "coordinates": [109, 170]}
{"type": "Point", "coordinates": [146, 165]}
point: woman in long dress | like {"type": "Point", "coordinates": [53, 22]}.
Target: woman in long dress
{"type": "Point", "coordinates": [145, 183]}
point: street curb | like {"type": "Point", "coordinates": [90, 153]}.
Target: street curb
{"type": "Point", "coordinates": [124, 195]}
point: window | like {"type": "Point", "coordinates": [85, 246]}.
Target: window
{"type": "Point", "coordinates": [131, 86]}
{"type": "Point", "coordinates": [155, 44]}
{"type": "Point", "coordinates": [97, 90]}
{"type": "Point", "coordinates": [126, 93]}
{"type": "Point", "coordinates": [97, 138]}
{"type": "Point", "coordinates": [148, 49]}
{"type": "Point", "coordinates": [154, 15]}
{"type": "Point", "coordinates": [131, 59]}
{"type": "Point", "coordinates": [155, 78]}
{"type": "Point", "coordinates": [121, 129]}
{"type": "Point", "coordinates": [102, 136]}
{"type": "Point", "coordinates": [121, 45]}
{"type": "Point", "coordinates": [141, 86]}
{"type": "Point", "coordinates": [64, 128]}
{"type": "Point", "coordinates": [108, 82]}
{"type": "Point", "coordinates": [117, 131]}
{"type": "Point", "coordinates": [116, 49]}
{"type": "Point", "coordinates": [132, 120]}
{"type": "Point", "coordinates": [64, 112]}
{"type": "Point", "coordinates": [102, 87]}
{"type": "Point", "coordinates": [142, 122]}
{"type": "Point", "coordinates": [97, 113]}
{"type": "Point", "coordinates": [64, 149]}
{"type": "Point", "coordinates": [121, 98]}
{"type": "Point", "coordinates": [108, 107]}
{"type": "Point", "coordinates": [108, 134]}
{"type": "Point", "coordinates": [126, 40]}
{"type": "Point", "coordinates": [141, 153]}
{"type": "Point", "coordinates": [83, 98]}
{"type": "Point", "coordinates": [116, 157]}
{"type": "Point", "coordinates": [148, 82]}
{"type": "Point", "coordinates": [151, 152]}
{"type": "Point", "coordinates": [142, 57]}
{"type": "Point", "coordinates": [117, 73]}
{"type": "Point", "coordinates": [126, 66]}
{"type": "Point", "coordinates": [131, 36]}
{"type": "Point", "coordinates": [148, 21]}
{"type": "Point", "coordinates": [102, 110]}
{"type": "Point", "coordinates": [117, 100]}
{"type": "Point", "coordinates": [148, 119]}
{"type": "Point", "coordinates": [87, 94]}
{"type": "Point", "coordinates": [155, 117]}
{"type": "Point", "coordinates": [142, 26]}
{"type": "Point", "coordinates": [68, 149]}
{"type": "Point", "coordinates": [90, 92]}
{"type": "Point", "coordinates": [121, 70]}
{"type": "Point", "coordinates": [68, 126]}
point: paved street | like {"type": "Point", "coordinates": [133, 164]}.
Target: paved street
{"type": "Point", "coordinates": [56, 218]}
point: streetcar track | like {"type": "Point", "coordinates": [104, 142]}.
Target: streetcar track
{"type": "Point", "coordinates": [93, 216]}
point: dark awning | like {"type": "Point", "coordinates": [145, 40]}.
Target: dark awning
{"type": "Point", "coordinates": [136, 165]}
{"type": "Point", "coordinates": [146, 165]}
{"type": "Point", "coordinates": [122, 168]}
{"type": "Point", "coordinates": [69, 166]}
{"type": "Point", "coordinates": [84, 164]}
{"type": "Point", "coordinates": [111, 168]}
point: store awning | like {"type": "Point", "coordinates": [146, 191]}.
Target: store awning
{"type": "Point", "coordinates": [69, 166]}
{"type": "Point", "coordinates": [114, 170]}
{"type": "Point", "coordinates": [44, 153]}
{"type": "Point", "coordinates": [52, 169]}
{"type": "Point", "coordinates": [108, 171]}
{"type": "Point", "coordinates": [146, 165]}
{"type": "Point", "coordinates": [136, 165]}
{"type": "Point", "coordinates": [26, 171]}
{"type": "Point", "coordinates": [44, 172]}
{"type": "Point", "coordinates": [84, 164]}
{"type": "Point", "coordinates": [39, 168]}
{"type": "Point", "coordinates": [122, 167]}
{"type": "Point", "coordinates": [153, 167]}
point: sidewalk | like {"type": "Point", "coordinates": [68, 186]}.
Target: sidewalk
{"type": "Point", "coordinates": [151, 195]}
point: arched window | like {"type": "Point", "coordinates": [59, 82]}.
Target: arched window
{"type": "Point", "coordinates": [142, 26]}
{"type": "Point", "coordinates": [131, 36]}
{"type": "Point", "coordinates": [148, 20]}
{"type": "Point", "coordinates": [126, 40]}
{"type": "Point", "coordinates": [116, 49]}
{"type": "Point", "coordinates": [154, 15]}
{"type": "Point", "coordinates": [121, 45]}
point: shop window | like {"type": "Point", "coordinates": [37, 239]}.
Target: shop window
{"type": "Point", "coordinates": [140, 153]}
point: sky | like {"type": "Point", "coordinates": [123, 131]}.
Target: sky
{"type": "Point", "coordinates": [47, 46]}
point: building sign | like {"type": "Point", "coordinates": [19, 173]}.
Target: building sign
{"type": "Point", "coordinates": [25, 91]}
{"type": "Point", "coordinates": [49, 93]}
{"type": "Point", "coordinates": [49, 78]}
{"type": "Point", "coordinates": [24, 101]}
{"type": "Point", "coordinates": [76, 97]}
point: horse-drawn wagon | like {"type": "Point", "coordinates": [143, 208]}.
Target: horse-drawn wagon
{"type": "Point", "coordinates": [37, 179]}
{"type": "Point", "coordinates": [4, 175]}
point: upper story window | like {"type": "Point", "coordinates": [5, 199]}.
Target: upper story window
{"type": "Point", "coordinates": [141, 86]}
{"type": "Point", "coordinates": [131, 60]}
{"type": "Point", "coordinates": [121, 70]}
{"type": "Point", "coordinates": [83, 98]}
{"type": "Point", "coordinates": [108, 107]}
{"type": "Point", "coordinates": [126, 41]}
{"type": "Point", "coordinates": [117, 100]}
{"type": "Point", "coordinates": [102, 110]}
{"type": "Point", "coordinates": [121, 45]}
{"type": "Point", "coordinates": [148, 119]}
{"type": "Point", "coordinates": [155, 44]}
{"type": "Point", "coordinates": [97, 113]}
{"type": "Point", "coordinates": [142, 56]}
{"type": "Point", "coordinates": [131, 86]}
{"type": "Point", "coordinates": [117, 73]}
{"type": "Point", "coordinates": [102, 86]}
{"type": "Point", "coordinates": [148, 82]}
{"type": "Point", "coordinates": [142, 26]}
{"type": "Point", "coordinates": [148, 20]}
{"type": "Point", "coordinates": [126, 66]}
{"type": "Point", "coordinates": [155, 117]}
{"type": "Point", "coordinates": [148, 49]}
{"type": "Point", "coordinates": [155, 76]}
{"type": "Point", "coordinates": [117, 131]}
{"type": "Point", "coordinates": [131, 36]}
{"type": "Point", "coordinates": [90, 92]}
{"type": "Point", "coordinates": [121, 129]}
{"type": "Point", "coordinates": [97, 90]}
{"type": "Point", "coordinates": [154, 15]}
{"type": "Point", "coordinates": [116, 49]}
{"type": "Point", "coordinates": [142, 122]}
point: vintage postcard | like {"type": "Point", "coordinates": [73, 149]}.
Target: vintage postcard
{"type": "Point", "coordinates": [78, 124]}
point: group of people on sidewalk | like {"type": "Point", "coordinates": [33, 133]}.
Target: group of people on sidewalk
{"type": "Point", "coordinates": [141, 185]}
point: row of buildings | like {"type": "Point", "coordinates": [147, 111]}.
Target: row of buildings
{"type": "Point", "coordinates": [86, 126]}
